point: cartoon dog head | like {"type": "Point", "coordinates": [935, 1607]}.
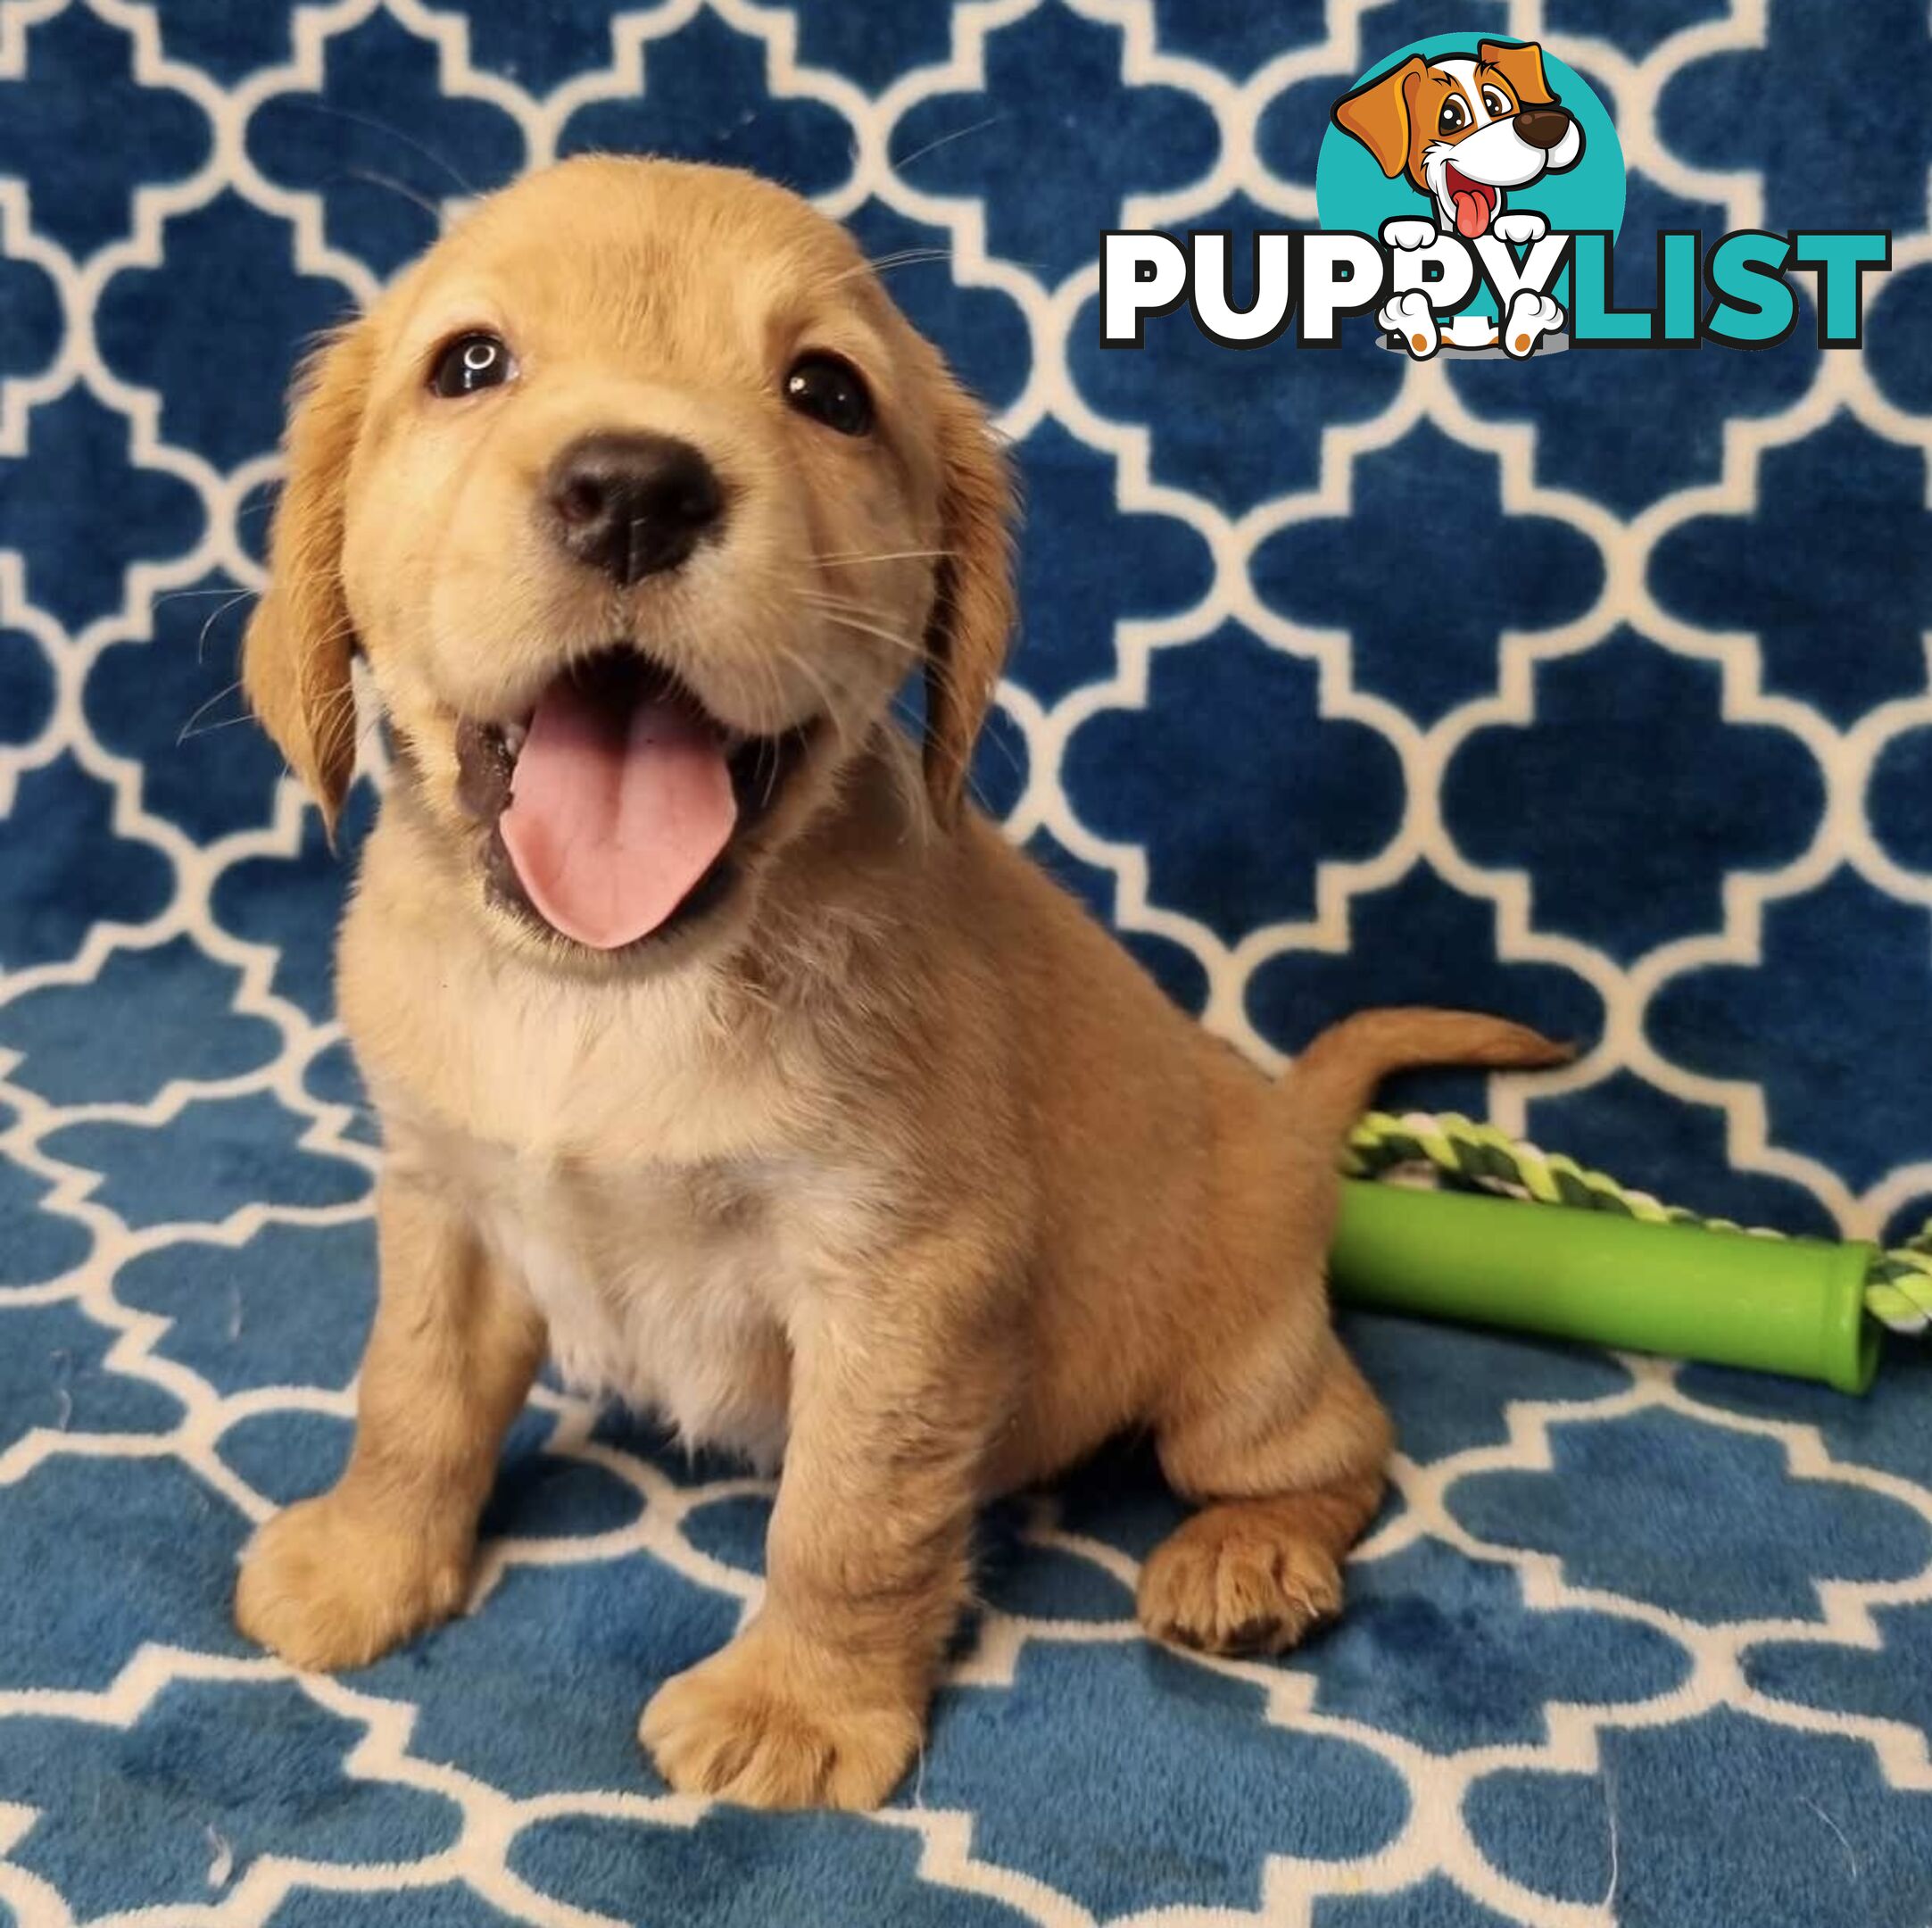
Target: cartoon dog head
{"type": "Point", "coordinates": [1464, 129]}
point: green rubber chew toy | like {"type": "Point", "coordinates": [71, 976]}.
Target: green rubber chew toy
{"type": "Point", "coordinates": [1779, 1305]}
{"type": "Point", "coordinates": [1609, 1267]}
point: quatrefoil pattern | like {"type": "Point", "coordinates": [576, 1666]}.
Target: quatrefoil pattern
{"type": "Point", "coordinates": [1595, 690]}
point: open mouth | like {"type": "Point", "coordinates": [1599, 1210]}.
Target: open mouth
{"type": "Point", "coordinates": [613, 809]}
{"type": "Point", "coordinates": [1474, 201]}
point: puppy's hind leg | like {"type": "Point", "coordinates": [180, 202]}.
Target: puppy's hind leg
{"type": "Point", "coordinates": [1287, 1458]}
{"type": "Point", "coordinates": [1271, 1426]}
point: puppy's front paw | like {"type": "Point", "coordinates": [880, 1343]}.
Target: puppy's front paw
{"type": "Point", "coordinates": [1519, 227]}
{"type": "Point", "coordinates": [1230, 1583]}
{"type": "Point", "coordinates": [1405, 231]}
{"type": "Point", "coordinates": [328, 1586]}
{"type": "Point", "coordinates": [745, 1727]}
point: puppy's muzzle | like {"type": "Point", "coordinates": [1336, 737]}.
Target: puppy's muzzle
{"type": "Point", "coordinates": [630, 504]}
{"type": "Point", "coordinates": [1543, 127]}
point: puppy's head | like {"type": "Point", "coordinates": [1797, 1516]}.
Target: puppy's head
{"type": "Point", "coordinates": [1462, 130]}
{"type": "Point", "coordinates": [640, 499]}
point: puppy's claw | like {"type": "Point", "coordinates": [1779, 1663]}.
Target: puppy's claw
{"type": "Point", "coordinates": [1226, 1585]}
{"type": "Point", "coordinates": [326, 1586]}
{"type": "Point", "coordinates": [742, 1727]}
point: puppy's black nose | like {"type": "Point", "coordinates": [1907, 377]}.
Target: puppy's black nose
{"type": "Point", "coordinates": [1543, 127]}
{"type": "Point", "coordinates": [632, 504]}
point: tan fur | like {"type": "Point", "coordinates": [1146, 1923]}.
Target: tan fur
{"type": "Point", "coordinates": [896, 1165]}
{"type": "Point", "coordinates": [296, 662]}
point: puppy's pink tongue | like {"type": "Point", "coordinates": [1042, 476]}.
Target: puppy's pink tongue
{"type": "Point", "coordinates": [1471, 214]}
{"type": "Point", "coordinates": [615, 813]}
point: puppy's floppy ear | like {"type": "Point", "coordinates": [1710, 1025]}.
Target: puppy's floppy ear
{"type": "Point", "coordinates": [973, 606]}
{"type": "Point", "coordinates": [1378, 114]}
{"type": "Point", "coordinates": [296, 657]}
{"type": "Point", "coordinates": [1522, 67]}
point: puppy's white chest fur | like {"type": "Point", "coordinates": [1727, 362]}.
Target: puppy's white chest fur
{"type": "Point", "coordinates": [665, 1288]}
{"type": "Point", "coordinates": [635, 1171]}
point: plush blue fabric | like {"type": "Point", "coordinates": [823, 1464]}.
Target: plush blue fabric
{"type": "Point", "coordinates": [1648, 1642]}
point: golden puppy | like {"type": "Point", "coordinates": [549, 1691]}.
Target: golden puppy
{"type": "Point", "coordinates": [721, 1052]}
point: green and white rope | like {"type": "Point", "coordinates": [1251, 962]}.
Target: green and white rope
{"type": "Point", "coordinates": [1461, 1153]}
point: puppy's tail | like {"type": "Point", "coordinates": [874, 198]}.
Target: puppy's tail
{"type": "Point", "coordinates": [1332, 1083]}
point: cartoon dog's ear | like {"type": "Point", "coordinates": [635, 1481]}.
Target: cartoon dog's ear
{"type": "Point", "coordinates": [1378, 114]}
{"type": "Point", "coordinates": [1522, 67]}
{"type": "Point", "coordinates": [971, 625]}
{"type": "Point", "coordinates": [296, 657]}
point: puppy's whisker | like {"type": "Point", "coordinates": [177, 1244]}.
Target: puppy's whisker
{"type": "Point", "coordinates": [844, 621]}
{"type": "Point", "coordinates": [431, 208]}
{"type": "Point", "coordinates": [215, 616]}
{"type": "Point", "coordinates": [845, 616]}
{"type": "Point", "coordinates": [394, 133]}
{"type": "Point", "coordinates": [906, 257]}
{"type": "Point", "coordinates": [945, 140]}
{"type": "Point", "coordinates": [776, 695]}
{"type": "Point", "coordinates": [844, 606]}
{"type": "Point", "coordinates": [804, 668]}
{"type": "Point", "coordinates": [811, 675]}
{"type": "Point", "coordinates": [189, 728]}
{"type": "Point", "coordinates": [878, 556]}
{"type": "Point", "coordinates": [837, 599]}
{"type": "Point", "coordinates": [885, 263]}
{"type": "Point", "coordinates": [827, 594]}
{"type": "Point", "coordinates": [184, 595]}
{"type": "Point", "coordinates": [775, 686]}
{"type": "Point", "coordinates": [938, 672]}
{"type": "Point", "coordinates": [208, 729]}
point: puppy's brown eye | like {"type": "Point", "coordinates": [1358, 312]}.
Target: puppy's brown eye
{"type": "Point", "coordinates": [830, 391]}
{"type": "Point", "coordinates": [470, 362]}
{"type": "Point", "coordinates": [1496, 101]}
{"type": "Point", "coordinates": [1454, 117]}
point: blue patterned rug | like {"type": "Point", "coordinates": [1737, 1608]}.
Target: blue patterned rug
{"type": "Point", "coordinates": [1634, 741]}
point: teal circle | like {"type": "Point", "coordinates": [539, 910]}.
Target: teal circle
{"type": "Point", "coordinates": [1351, 192]}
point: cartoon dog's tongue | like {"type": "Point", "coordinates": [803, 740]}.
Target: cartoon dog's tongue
{"type": "Point", "coordinates": [1473, 200]}
{"type": "Point", "coordinates": [616, 810]}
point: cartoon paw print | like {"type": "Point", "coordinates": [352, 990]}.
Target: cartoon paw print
{"type": "Point", "coordinates": [1531, 316]}
{"type": "Point", "coordinates": [1409, 316]}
